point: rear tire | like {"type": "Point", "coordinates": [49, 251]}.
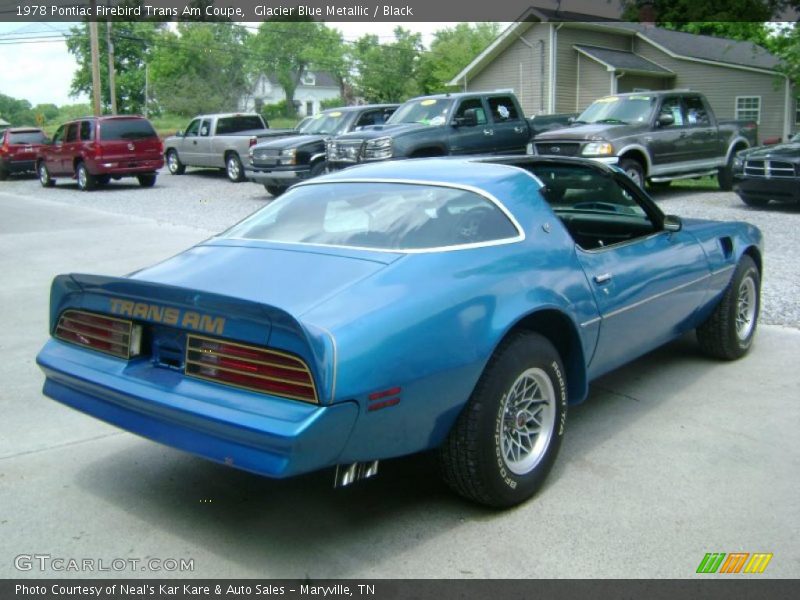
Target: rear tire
{"type": "Point", "coordinates": [86, 181]}
{"type": "Point", "coordinates": [728, 333]}
{"type": "Point", "coordinates": [174, 164]}
{"type": "Point", "coordinates": [147, 180]}
{"type": "Point", "coordinates": [44, 175]}
{"type": "Point", "coordinates": [234, 168]}
{"type": "Point", "coordinates": [506, 439]}
{"type": "Point", "coordinates": [274, 190]}
{"type": "Point", "coordinates": [754, 202]}
{"type": "Point", "coordinates": [317, 169]}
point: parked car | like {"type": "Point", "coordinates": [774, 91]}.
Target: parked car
{"type": "Point", "coordinates": [19, 147]}
{"type": "Point", "coordinates": [95, 150]}
{"type": "Point", "coordinates": [281, 162]}
{"type": "Point", "coordinates": [440, 125]}
{"type": "Point", "coordinates": [452, 305]}
{"type": "Point", "coordinates": [654, 136]}
{"type": "Point", "coordinates": [218, 141]}
{"type": "Point", "coordinates": [768, 173]}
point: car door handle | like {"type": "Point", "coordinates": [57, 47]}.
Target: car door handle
{"type": "Point", "coordinates": [604, 278]}
{"type": "Point", "coordinates": [194, 142]}
{"type": "Point", "coordinates": [519, 129]}
{"type": "Point", "coordinates": [488, 132]}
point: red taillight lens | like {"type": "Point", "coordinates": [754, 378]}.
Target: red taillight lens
{"type": "Point", "coordinates": [117, 337]}
{"type": "Point", "coordinates": [250, 367]}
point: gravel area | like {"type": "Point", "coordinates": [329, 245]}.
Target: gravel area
{"type": "Point", "coordinates": [206, 200]}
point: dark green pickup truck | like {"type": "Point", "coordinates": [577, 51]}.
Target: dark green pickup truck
{"type": "Point", "coordinates": [655, 137]}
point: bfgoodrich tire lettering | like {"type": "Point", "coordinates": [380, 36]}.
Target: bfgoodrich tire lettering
{"type": "Point", "coordinates": [505, 441]}
{"type": "Point", "coordinates": [728, 333]}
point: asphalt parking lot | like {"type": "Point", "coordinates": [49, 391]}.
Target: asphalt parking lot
{"type": "Point", "coordinates": [671, 457]}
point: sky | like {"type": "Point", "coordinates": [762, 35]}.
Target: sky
{"type": "Point", "coordinates": [42, 72]}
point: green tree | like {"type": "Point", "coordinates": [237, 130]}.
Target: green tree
{"type": "Point", "coordinates": [688, 11]}
{"type": "Point", "coordinates": [200, 68]}
{"type": "Point", "coordinates": [16, 112]}
{"type": "Point", "coordinates": [288, 49]}
{"type": "Point", "coordinates": [451, 50]}
{"type": "Point", "coordinates": [388, 72]}
{"type": "Point", "coordinates": [132, 41]}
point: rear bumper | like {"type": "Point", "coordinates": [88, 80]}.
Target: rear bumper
{"type": "Point", "coordinates": [125, 168]}
{"type": "Point", "coordinates": [254, 432]}
{"type": "Point", "coordinates": [17, 166]}
{"type": "Point", "coordinates": [279, 177]}
{"type": "Point", "coordinates": [772, 189]}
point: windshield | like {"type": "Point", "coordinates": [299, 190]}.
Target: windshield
{"type": "Point", "coordinates": [380, 216]}
{"type": "Point", "coordinates": [428, 111]}
{"type": "Point", "coordinates": [327, 123]}
{"type": "Point", "coordinates": [619, 109]}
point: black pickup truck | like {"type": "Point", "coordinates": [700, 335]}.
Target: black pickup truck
{"type": "Point", "coordinates": [280, 163]}
{"type": "Point", "coordinates": [440, 125]}
{"type": "Point", "coordinates": [654, 136]}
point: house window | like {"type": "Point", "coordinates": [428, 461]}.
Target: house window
{"type": "Point", "coordinates": [748, 108]}
{"type": "Point", "coordinates": [309, 78]}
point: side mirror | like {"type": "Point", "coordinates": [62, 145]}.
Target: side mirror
{"type": "Point", "coordinates": [665, 120]}
{"type": "Point", "coordinates": [570, 120]}
{"type": "Point", "coordinates": [470, 118]}
{"type": "Point", "coordinates": [672, 223]}
{"type": "Point", "coordinates": [179, 133]}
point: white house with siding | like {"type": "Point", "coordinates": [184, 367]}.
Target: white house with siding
{"type": "Point", "coordinates": [560, 62]}
{"type": "Point", "coordinates": [315, 87]}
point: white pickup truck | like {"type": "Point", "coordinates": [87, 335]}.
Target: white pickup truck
{"type": "Point", "coordinates": [218, 141]}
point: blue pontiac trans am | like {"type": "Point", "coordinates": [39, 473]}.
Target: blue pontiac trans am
{"type": "Point", "coordinates": [456, 305]}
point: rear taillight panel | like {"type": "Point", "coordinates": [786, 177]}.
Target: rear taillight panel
{"type": "Point", "coordinates": [117, 337]}
{"type": "Point", "coordinates": [250, 367]}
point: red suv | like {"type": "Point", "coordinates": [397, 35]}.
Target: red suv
{"type": "Point", "coordinates": [94, 150]}
{"type": "Point", "coordinates": [19, 147]}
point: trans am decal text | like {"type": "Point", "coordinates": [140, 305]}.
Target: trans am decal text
{"type": "Point", "coordinates": [167, 315]}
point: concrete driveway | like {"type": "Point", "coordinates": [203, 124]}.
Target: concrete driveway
{"type": "Point", "coordinates": [670, 458]}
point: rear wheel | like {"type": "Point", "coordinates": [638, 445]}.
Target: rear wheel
{"type": "Point", "coordinates": [86, 181]}
{"type": "Point", "coordinates": [44, 175]}
{"type": "Point", "coordinates": [234, 168]}
{"type": "Point", "coordinates": [728, 333]}
{"type": "Point", "coordinates": [634, 170]}
{"type": "Point", "coordinates": [174, 164]}
{"type": "Point", "coordinates": [505, 441]}
{"type": "Point", "coordinates": [274, 190]}
{"type": "Point", "coordinates": [147, 180]}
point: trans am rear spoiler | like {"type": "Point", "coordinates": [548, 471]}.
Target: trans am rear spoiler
{"type": "Point", "coordinates": [198, 312]}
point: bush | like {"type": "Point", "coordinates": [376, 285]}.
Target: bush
{"type": "Point", "coordinates": [332, 103]}
{"type": "Point", "coordinates": [275, 111]}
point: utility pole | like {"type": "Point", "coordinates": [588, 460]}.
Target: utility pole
{"type": "Point", "coordinates": [95, 48]}
{"type": "Point", "coordinates": [111, 71]}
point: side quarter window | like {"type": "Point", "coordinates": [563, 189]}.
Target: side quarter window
{"type": "Point", "coordinates": [503, 109]}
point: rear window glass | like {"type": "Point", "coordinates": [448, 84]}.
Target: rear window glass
{"type": "Point", "coordinates": [26, 137]}
{"type": "Point", "coordinates": [228, 125]}
{"type": "Point", "coordinates": [380, 216]}
{"type": "Point", "coordinates": [126, 129]}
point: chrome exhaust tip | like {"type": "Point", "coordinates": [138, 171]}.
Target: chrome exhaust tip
{"type": "Point", "coordinates": [347, 474]}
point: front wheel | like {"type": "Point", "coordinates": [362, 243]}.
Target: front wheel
{"type": "Point", "coordinates": [234, 168]}
{"type": "Point", "coordinates": [174, 164]}
{"type": "Point", "coordinates": [274, 190]}
{"type": "Point", "coordinates": [634, 170]}
{"type": "Point", "coordinates": [44, 176]}
{"type": "Point", "coordinates": [728, 333]}
{"type": "Point", "coordinates": [147, 180]}
{"type": "Point", "coordinates": [506, 439]}
{"type": "Point", "coordinates": [753, 201]}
